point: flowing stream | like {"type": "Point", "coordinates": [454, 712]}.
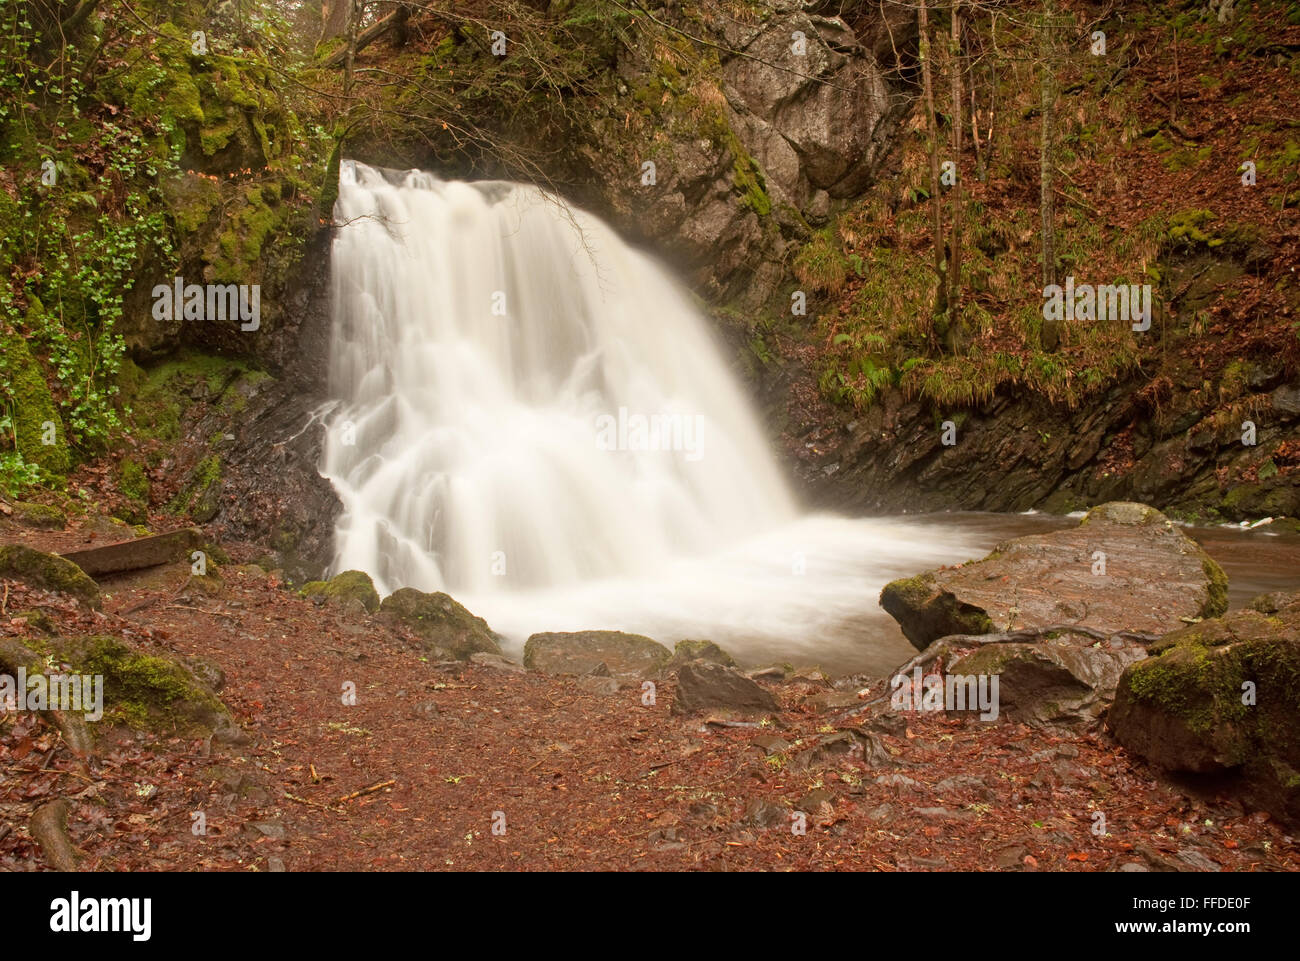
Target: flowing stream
{"type": "Point", "coordinates": [532, 417]}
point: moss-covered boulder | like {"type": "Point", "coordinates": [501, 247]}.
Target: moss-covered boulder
{"type": "Point", "coordinates": [141, 690]}
{"type": "Point", "coordinates": [440, 622]}
{"type": "Point", "coordinates": [1125, 567]}
{"type": "Point", "coordinates": [687, 651]}
{"type": "Point", "coordinates": [39, 516]}
{"type": "Point", "coordinates": [1222, 698]}
{"type": "Point", "coordinates": [48, 571]}
{"type": "Point", "coordinates": [626, 657]}
{"type": "Point", "coordinates": [345, 587]}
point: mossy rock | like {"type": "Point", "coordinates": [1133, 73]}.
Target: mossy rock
{"type": "Point", "coordinates": [441, 622]}
{"type": "Point", "coordinates": [132, 481]}
{"type": "Point", "coordinates": [199, 498]}
{"type": "Point", "coordinates": [350, 585]}
{"type": "Point", "coordinates": [142, 691]}
{"type": "Point", "coordinates": [39, 516]}
{"type": "Point", "coordinates": [147, 691]}
{"type": "Point", "coordinates": [1223, 697]}
{"type": "Point", "coordinates": [623, 656]}
{"type": "Point", "coordinates": [925, 611]}
{"type": "Point", "coordinates": [49, 571]}
{"type": "Point", "coordinates": [686, 651]}
{"type": "Point", "coordinates": [37, 620]}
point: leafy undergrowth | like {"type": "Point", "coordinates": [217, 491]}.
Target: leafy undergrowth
{"type": "Point", "coordinates": [412, 776]}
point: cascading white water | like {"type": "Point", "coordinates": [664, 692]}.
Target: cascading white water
{"type": "Point", "coordinates": [532, 417]}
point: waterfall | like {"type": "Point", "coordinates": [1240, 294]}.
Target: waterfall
{"type": "Point", "coordinates": [532, 416]}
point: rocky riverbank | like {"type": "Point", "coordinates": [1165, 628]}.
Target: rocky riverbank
{"type": "Point", "coordinates": [316, 729]}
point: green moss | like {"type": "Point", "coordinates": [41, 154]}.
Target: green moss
{"type": "Point", "coordinates": [329, 191]}
{"type": "Point", "coordinates": [239, 246]}
{"type": "Point", "coordinates": [143, 690]}
{"type": "Point", "coordinates": [1216, 601]}
{"type": "Point", "coordinates": [31, 407]}
{"type": "Point", "coordinates": [191, 199]}
{"type": "Point", "coordinates": [441, 622]}
{"type": "Point", "coordinates": [349, 585]}
{"type": "Point", "coordinates": [132, 480]}
{"type": "Point", "coordinates": [910, 591]}
{"type": "Point", "coordinates": [39, 516]}
{"type": "Point", "coordinates": [1186, 225]}
{"type": "Point", "coordinates": [198, 497]}
{"type": "Point", "coordinates": [48, 571]}
{"type": "Point", "coordinates": [747, 178]}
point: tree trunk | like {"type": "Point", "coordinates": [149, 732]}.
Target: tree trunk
{"type": "Point", "coordinates": [941, 288]}
{"type": "Point", "coordinates": [337, 14]}
{"type": "Point", "coordinates": [954, 263]}
{"type": "Point", "coordinates": [1046, 166]}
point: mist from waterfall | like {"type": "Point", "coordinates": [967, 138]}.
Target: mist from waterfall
{"type": "Point", "coordinates": [533, 417]}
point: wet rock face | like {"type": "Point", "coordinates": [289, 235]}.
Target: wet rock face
{"type": "Point", "coordinates": [753, 150]}
{"type": "Point", "coordinates": [819, 123]}
{"type": "Point", "coordinates": [1126, 567]}
{"type": "Point", "coordinates": [891, 457]}
{"type": "Point", "coordinates": [269, 490]}
{"type": "Point", "coordinates": [1220, 698]}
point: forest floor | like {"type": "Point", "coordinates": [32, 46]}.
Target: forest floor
{"type": "Point", "coordinates": [416, 774]}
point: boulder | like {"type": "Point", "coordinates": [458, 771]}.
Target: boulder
{"type": "Point", "coordinates": [496, 662]}
{"type": "Point", "coordinates": [702, 686]}
{"type": "Point", "coordinates": [1062, 677]}
{"type": "Point", "coordinates": [342, 588]}
{"type": "Point", "coordinates": [39, 516]}
{"type": "Point", "coordinates": [1223, 698]}
{"type": "Point", "coordinates": [1154, 577]}
{"type": "Point", "coordinates": [440, 622]}
{"type": "Point", "coordinates": [144, 690]}
{"type": "Point", "coordinates": [626, 657]}
{"type": "Point", "coordinates": [687, 651]}
{"type": "Point", "coordinates": [49, 571]}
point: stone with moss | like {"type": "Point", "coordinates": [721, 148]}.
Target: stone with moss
{"type": "Point", "coordinates": [1125, 567]}
{"type": "Point", "coordinates": [347, 586]}
{"type": "Point", "coordinates": [132, 480]}
{"type": "Point", "coordinates": [440, 622]}
{"type": "Point", "coordinates": [36, 620]}
{"type": "Point", "coordinates": [626, 657]}
{"type": "Point", "coordinates": [1222, 698]}
{"type": "Point", "coordinates": [141, 690]}
{"type": "Point", "coordinates": [39, 516]}
{"type": "Point", "coordinates": [49, 571]}
{"type": "Point", "coordinates": [686, 651]}
{"type": "Point", "coordinates": [200, 497]}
